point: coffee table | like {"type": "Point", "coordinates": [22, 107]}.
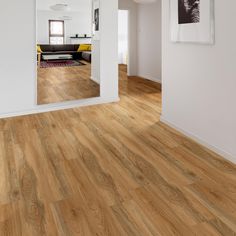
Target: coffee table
{"type": "Point", "coordinates": [57, 57]}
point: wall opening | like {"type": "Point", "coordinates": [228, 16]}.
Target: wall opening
{"type": "Point", "coordinates": [123, 38]}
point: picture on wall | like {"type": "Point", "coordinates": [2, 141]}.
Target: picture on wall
{"type": "Point", "coordinates": [192, 21]}
{"type": "Point", "coordinates": [96, 19]}
{"type": "Point", "coordinates": [189, 12]}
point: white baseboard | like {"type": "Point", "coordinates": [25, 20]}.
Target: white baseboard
{"type": "Point", "coordinates": [61, 106]}
{"type": "Point", "coordinates": [157, 80]}
{"type": "Point", "coordinates": [218, 151]}
{"type": "Point", "coordinates": [95, 80]}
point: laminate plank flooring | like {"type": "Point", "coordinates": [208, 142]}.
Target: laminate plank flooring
{"type": "Point", "coordinates": [60, 84]}
{"type": "Point", "coordinates": [111, 169]}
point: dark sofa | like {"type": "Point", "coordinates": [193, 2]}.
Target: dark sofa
{"type": "Point", "coordinates": [65, 49]}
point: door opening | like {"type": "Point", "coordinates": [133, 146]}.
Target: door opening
{"type": "Point", "coordinates": [123, 40]}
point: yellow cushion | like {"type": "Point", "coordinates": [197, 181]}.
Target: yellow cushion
{"type": "Point", "coordinates": [83, 47]}
{"type": "Point", "coordinates": [90, 48]}
{"type": "Point", "coordinates": [39, 50]}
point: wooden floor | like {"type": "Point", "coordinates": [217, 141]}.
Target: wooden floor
{"type": "Point", "coordinates": [59, 84]}
{"type": "Point", "coordinates": [111, 169]}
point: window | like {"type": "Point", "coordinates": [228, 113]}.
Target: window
{"type": "Point", "coordinates": [56, 31]}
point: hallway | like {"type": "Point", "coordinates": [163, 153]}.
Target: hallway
{"type": "Point", "coordinates": [111, 169]}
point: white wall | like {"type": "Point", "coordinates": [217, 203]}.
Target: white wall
{"type": "Point", "coordinates": [109, 49]}
{"type": "Point", "coordinates": [199, 83]}
{"type": "Point", "coordinates": [80, 23]}
{"type": "Point", "coordinates": [149, 41]}
{"type": "Point", "coordinates": [17, 79]}
{"type": "Point", "coordinates": [95, 65]}
{"type": "Point", "coordinates": [18, 73]}
{"type": "Point", "coordinates": [123, 36]}
{"type": "Point", "coordinates": [132, 60]}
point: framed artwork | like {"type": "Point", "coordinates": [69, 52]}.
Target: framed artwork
{"type": "Point", "coordinates": [192, 21]}
{"type": "Point", "coordinates": [96, 20]}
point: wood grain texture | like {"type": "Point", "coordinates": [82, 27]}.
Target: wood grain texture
{"type": "Point", "coordinates": [60, 84]}
{"type": "Point", "coordinates": [111, 169]}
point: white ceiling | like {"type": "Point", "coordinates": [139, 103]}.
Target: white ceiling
{"type": "Point", "coordinates": [74, 5]}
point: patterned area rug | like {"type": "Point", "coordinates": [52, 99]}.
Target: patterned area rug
{"type": "Point", "coordinates": [60, 63]}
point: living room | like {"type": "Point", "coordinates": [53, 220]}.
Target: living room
{"type": "Point", "coordinates": [65, 38]}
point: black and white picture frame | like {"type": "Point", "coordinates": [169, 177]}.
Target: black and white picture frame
{"type": "Point", "coordinates": [96, 19]}
{"type": "Point", "coordinates": [192, 21]}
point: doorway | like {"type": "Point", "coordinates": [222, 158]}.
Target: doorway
{"type": "Point", "coordinates": [123, 42]}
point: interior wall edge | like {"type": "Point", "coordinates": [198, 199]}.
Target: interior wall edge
{"type": "Point", "coordinates": [157, 80]}
{"type": "Point", "coordinates": [61, 106]}
{"type": "Point", "coordinates": [228, 156]}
